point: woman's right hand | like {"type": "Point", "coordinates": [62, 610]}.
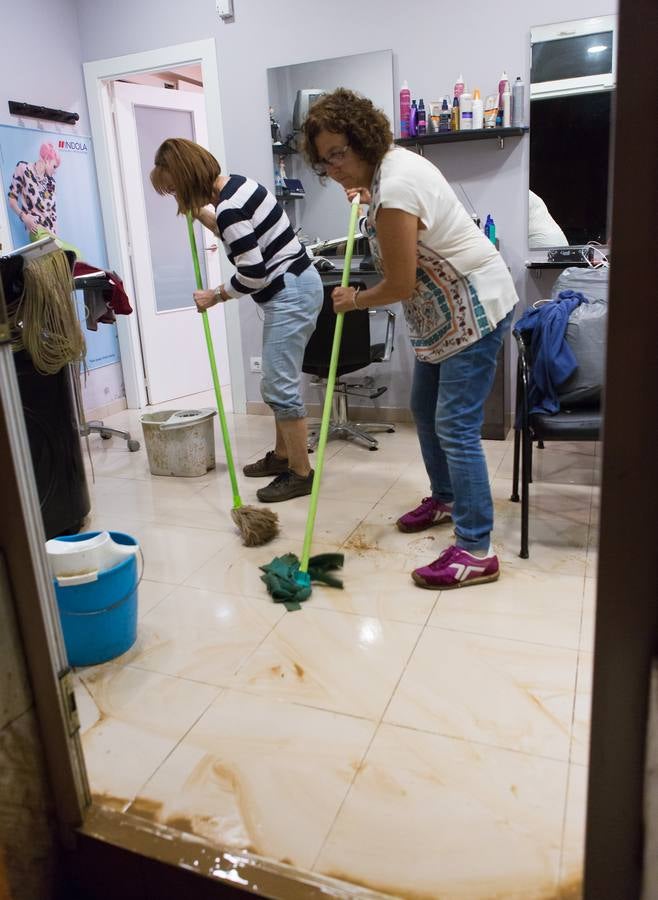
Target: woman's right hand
{"type": "Point", "coordinates": [363, 191]}
{"type": "Point", "coordinates": [30, 223]}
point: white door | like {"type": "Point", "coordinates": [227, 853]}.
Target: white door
{"type": "Point", "coordinates": [171, 332]}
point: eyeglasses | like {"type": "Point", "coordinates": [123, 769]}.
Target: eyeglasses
{"type": "Point", "coordinates": [335, 158]}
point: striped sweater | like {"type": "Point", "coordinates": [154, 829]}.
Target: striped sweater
{"type": "Point", "coordinates": [258, 239]}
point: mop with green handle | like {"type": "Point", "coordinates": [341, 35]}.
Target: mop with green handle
{"type": "Point", "coordinates": [288, 579]}
{"type": "Point", "coordinates": [257, 526]}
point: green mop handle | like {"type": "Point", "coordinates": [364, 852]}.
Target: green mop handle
{"type": "Point", "coordinates": [237, 501]}
{"type": "Point", "coordinates": [328, 399]}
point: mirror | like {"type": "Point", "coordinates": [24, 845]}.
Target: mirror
{"type": "Point", "coordinates": [321, 212]}
{"type": "Point", "coordinates": [571, 83]}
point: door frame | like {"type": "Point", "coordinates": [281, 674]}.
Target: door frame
{"type": "Point", "coordinates": [98, 76]}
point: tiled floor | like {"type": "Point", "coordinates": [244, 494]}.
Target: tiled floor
{"type": "Point", "coordinates": [427, 745]}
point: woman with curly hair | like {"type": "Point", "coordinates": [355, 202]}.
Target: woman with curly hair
{"type": "Point", "coordinates": [272, 266]}
{"type": "Point", "coordinates": [457, 296]}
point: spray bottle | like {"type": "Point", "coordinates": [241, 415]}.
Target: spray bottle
{"type": "Point", "coordinates": [422, 118]}
{"type": "Point", "coordinates": [503, 85]}
{"type": "Point", "coordinates": [518, 102]}
{"type": "Point", "coordinates": [454, 115]}
{"type": "Point", "coordinates": [413, 120]}
{"type": "Point", "coordinates": [459, 87]}
{"type": "Point", "coordinates": [405, 107]}
{"type": "Point", "coordinates": [444, 117]}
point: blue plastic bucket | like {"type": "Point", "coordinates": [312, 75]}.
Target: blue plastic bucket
{"type": "Point", "coordinates": [99, 618]}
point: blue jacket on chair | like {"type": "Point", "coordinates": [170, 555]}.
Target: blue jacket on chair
{"type": "Point", "coordinates": [553, 360]}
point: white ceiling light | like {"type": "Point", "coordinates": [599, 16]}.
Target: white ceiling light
{"type": "Point", "coordinates": [597, 48]}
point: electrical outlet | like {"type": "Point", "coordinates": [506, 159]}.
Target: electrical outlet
{"type": "Point", "coordinates": [256, 364]}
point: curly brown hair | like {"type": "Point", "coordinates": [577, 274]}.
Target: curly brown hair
{"type": "Point", "coordinates": [186, 170]}
{"type": "Point", "coordinates": [366, 128]}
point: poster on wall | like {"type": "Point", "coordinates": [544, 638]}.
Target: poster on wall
{"type": "Point", "coordinates": [48, 181]}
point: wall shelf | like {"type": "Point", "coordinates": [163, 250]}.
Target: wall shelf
{"type": "Point", "coordinates": [552, 264]}
{"type": "Point", "coordinates": [453, 137]}
{"type": "Point", "coordinates": [283, 149]}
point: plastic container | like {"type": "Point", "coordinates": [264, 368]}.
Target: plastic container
{"type": "Point", "coordinates": [69, 559]}
{"type": "Point", "coordinates": [421, 125]}
{"type": "Point", "coordinates": [180, 441]}
{"type": "Point", "coordinates": [478, 111]}
{"type": "Point", "coordinates": [405, 109]}
{"type": "Point", "coordinates": [98, 610]}
{"type": "Point", "coordinates": [466, 112]}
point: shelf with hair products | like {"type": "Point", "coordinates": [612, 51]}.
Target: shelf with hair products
{"type": "Point", "coordinates": [418, 142]}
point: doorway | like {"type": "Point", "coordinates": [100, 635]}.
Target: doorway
{"type": "Point", "coordinates": [135, 102]}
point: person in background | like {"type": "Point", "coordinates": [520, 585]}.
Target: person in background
{"type": "Point", "coordinates": [543, 230]}
{"type": "Point", "coordinates": [457, 296]}
{"type": "Point", "coordinates": [32, 193]}
{"type": "Point", "coordinates": [272, 267]}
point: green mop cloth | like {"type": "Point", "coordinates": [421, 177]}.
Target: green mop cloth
{"type": "Point", "coordinates": [291, 587]}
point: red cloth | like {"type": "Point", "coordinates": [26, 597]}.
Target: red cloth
{"type": "Point", "coordinates": [115, 295]}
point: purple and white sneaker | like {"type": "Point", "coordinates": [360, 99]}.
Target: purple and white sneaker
{"type": "Point", "coordinates": [457, 568]}
{"type": "Point", "coordinates": [430, 512]}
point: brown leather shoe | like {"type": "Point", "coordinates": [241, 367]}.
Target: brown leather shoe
{"type": "Point", "coordinates": [269, 465]}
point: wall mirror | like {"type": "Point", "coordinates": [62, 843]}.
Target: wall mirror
{"type": "Point", "coordinates": [572, 79]}
{"type": "Point", "coordinates": [320, 211]}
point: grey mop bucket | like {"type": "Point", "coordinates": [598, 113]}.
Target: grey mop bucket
{"type": "Point", "coordinates": [180, 441]}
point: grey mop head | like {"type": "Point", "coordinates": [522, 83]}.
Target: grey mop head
{"type": "Point", "coordinates": [257, 526]}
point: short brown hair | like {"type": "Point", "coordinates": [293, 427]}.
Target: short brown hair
{"type": "Point", "coordinates": [367, 128]}
{"type": "Point", "coordinates": [186, 170]}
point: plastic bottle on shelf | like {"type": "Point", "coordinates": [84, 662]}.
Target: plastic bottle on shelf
{"type": "Point", "coordinates": [466, 112]}
{"type": "Point", "coordinates": [454, 115]}
{"type": "Point", "coordinates": [503, 85]}
{"type": "Point", "coordinates": [459, 87]}
{"type": "Point", "coordinates": [421, 127]}
{"type": "Point", "coordinates": [413, 120]}
{"type": "Point", "coordinates": [478, 111]}
{"type": "Point", "coordinates": [444, 117]}
{"type": "Point", "coordinates": [405, 109]}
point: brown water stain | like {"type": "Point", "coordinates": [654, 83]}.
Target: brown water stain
{"type": "Point", "coordinates": [146, 809]}
{"type": "Point", "coordinates": [359, 542]}
{"type": "Point", "coordinates": [299, 671]}
{"type": "Point", "coordinates": [110, 802]}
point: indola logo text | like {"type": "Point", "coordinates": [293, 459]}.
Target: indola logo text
{"type": "Point", "coordinates": [75, 146]}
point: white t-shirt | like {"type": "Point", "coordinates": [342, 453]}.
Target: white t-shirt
{"type": "Point", "coordinates": [463, 288]}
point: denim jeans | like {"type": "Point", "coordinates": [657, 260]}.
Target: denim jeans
{"type": "Point", "coordinates": [447, 402]}
{"type": "Point", "coordinates": [289, 321]}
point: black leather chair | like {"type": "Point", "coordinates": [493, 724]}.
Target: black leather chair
{"type": "Point", "coordinates": [571, 423]}
{"type": "Point", "coordinates": [356, 352]}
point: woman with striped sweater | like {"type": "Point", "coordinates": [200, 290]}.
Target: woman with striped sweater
{"type": "Point", "coordinates": [274, 269]}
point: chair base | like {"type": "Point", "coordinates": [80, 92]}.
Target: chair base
{"type": "Point", "coordinates": [97, 427]}
{"type": "Point", "coordinates": [342, 428]}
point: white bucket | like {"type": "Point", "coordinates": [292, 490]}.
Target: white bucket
{"type": "Point", "coordinates": [180, 441]}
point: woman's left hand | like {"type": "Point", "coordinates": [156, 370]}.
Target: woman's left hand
{"type": "Point", "coordinates": [343, 298]}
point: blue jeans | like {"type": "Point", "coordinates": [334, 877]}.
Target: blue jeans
{"type": "Point", "coordinates": [447, 402]}
{"type": "Point", "coordinates": [289, 321]}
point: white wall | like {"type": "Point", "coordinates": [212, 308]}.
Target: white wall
{"type": "Point", "coordinates": [41, 63]}
{"type": "Point", "coordinates": [324, 212]}
{"type": "Point", "coordinates": [432, 43]}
